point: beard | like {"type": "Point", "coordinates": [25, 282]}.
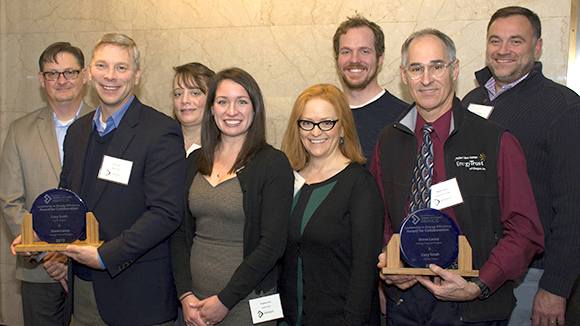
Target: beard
{"type": "Point", "coordinates": [511, 76]}
{"type": "Point", "coordinates": [358, 85]}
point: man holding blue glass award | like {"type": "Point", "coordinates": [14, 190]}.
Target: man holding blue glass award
{"type": "Point", "coordinates": [437, 154]}
{"type": "Point", "coordinates": [31, 164]}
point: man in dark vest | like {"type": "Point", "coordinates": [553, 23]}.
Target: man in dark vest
{"type": "Point", "coordinates": [497, 213]}
{"type": "Point", "coordinates": [545, 118]}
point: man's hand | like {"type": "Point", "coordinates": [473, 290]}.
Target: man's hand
{"type": "Point", "coordinates": [403, 282]}
{"type": "Point", "coordinates": [212, 310]}
{"type": "Point", "coordinates": [64, 283]}
{"type": "Point", "coordinates": [56, 265]}
{"type": "Point", "coordinates": [18, 241]}
{"type": "Point", "coordinates": [448, 286]}
{"type": "Point", "coordinates": [549, 309]}
{"type": "Point", "coordinates": [86, 255]}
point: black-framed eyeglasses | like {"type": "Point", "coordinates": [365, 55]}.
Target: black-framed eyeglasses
{"type": "Point", "coordinates": [324, 125]}
{"type": "Point", "coordinates": [55, 75]}
{"type": "Point", "coordinates": [437, 70]}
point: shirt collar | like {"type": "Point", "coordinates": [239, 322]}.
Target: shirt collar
{"type": "Point", "coordinates": [413, 120]}
{"type": "Point", "coordinates": [490, 86]}
{"type": "Point", "coordinates": [113, 121]}
{"type": "Point", "coordinates": [376, 97]}
{"type": "Point", "coordinates": [62, 124]}
{"type": "Point", "coordinates": [442, 126]}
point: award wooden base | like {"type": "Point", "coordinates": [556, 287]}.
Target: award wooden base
{"type": "Point", "coordinates": [464, 260]}
{"type": "Point", "coordinates": [29, 245]}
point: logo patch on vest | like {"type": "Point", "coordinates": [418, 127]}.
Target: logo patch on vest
{"type": "Point", "coordinates": [471, 162]}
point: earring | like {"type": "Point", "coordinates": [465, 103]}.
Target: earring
{"type": "Point", "coordinates": [342, 141]}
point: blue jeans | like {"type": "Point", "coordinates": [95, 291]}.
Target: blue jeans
{"type": "Point", "coordinates": [525, 293]}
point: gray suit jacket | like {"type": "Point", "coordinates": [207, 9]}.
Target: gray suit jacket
{"type": "Point", "coordinates": [30, 165]}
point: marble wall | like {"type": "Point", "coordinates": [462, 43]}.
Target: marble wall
{"type": "Point", "coordinates": [285, 45]}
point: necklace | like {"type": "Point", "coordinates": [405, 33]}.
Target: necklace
{"type": "Point", "coordinates": [225, 161]}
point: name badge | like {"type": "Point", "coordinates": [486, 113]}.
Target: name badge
{"type": "Point", "coordinates": [481, 110]}
{"type": "Point", "coordinates": [299, 181]}
{"type": "Point", "coordinates": [445, 194]}
{"type": "Point", "coordinates": [266, 308]}
{"type": "Point", "coordinates": [115, 170]}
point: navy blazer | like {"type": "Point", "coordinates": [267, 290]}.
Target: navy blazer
{"type": "Point", "coordinates": [135, 220]}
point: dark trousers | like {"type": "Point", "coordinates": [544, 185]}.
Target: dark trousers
{"type": "Point", "coordinates": [419, 307]}
{"type": "Point", "coordinates": [573, 307]}
{"type": "Point", "coordinates": [44, 304]}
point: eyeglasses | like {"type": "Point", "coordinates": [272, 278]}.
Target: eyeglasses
{"type": "Point", "coordinates": [325, 125]}
{"type": "Point", "coordinates": [55, 75]}
{"type": "Point", "coordinates": [436, 70]}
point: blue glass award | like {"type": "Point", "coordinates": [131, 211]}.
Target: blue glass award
{"type": "Point", "coordinates": [429, 236]}
{"type": "Point", "coordinates": [59, 216]}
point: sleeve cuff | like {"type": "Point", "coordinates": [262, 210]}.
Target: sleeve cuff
{"type": "Point", "coordinates": [101, 261]}
{"type": "Point", "coordinates": [555, 284]}
{"type": "Point", "coordinates": [227, 298]}
{"type": "Point", "coordinates": [493, 276]}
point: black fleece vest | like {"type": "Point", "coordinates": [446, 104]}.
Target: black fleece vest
{"type": "Point", "coordinates": [471, 154]}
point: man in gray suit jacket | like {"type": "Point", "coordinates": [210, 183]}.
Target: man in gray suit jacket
{"type": "Point", "coordinates": [31, 164]}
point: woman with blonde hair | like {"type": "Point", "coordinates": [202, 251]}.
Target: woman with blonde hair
{"type": "Point", "coordinates": [329, 274]}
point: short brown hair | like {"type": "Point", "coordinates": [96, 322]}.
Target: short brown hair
{"type": "Point", "coordinates": [193, 75]}
{"type": "Point", "coordinates": [357, 22]}
{"type": "Point", "coordinates": [50, 53]}
{"type": "Point", "coordinates": [516, 10]}
{"type": "Point", "coordinates": [291, 143]}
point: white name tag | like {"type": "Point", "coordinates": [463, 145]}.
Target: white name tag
{"type": "Point", "coordinates": [266, 308]}
{"type": "Point", "coordinates": [115, 170]}
{"type": "Point", "coordinates": [482, 110]}
{"type": "Point", "coordinates": [445, 194]}
{"type": "Point", "coordinates": [299, 181]}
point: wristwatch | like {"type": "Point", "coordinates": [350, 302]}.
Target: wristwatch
{"type": "Point", "coordinates": [485, 291]}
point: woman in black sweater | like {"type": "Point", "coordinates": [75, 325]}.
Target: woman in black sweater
{"type": "Point", "coordinates": [329, 274]}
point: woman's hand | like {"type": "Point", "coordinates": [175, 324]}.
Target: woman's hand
{"type": "Point", "coordinates": [190, 313]}
{"type": "Point", "coordinates": [211, 310]}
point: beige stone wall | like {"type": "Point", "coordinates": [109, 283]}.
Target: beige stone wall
{"type": "Point", "coordinates": [285, 44]}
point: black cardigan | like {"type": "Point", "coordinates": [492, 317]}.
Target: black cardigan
{"type": "Point", "coordinates": [338, 249]}
{"type": "Point", "coordinates": [267, 183]}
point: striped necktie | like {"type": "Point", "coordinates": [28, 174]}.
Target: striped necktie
{"type": "Point", "coordinates": [423, 173]}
